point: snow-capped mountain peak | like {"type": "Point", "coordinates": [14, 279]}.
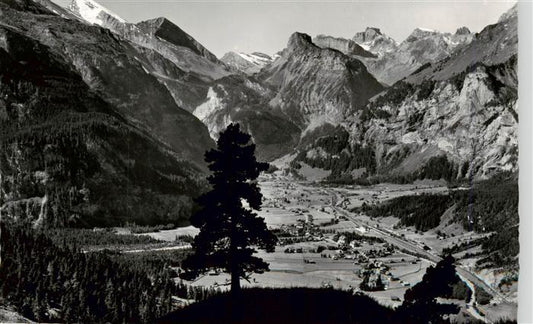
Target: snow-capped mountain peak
{"type": "Point", "coordinates": [92, 12]}
{"type": "Point", "coordinates": [256, 58]}
{"type": "Point", "coordinates": [247, 63]}
{"type": "Point", "coordinates": [373, 40]}
{"type": "Point", "coordinates": [429, 30]}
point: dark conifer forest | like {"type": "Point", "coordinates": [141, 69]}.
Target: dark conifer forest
{"type": "Point", "coordinates": [51, 282]}
{"type": "Point", "coordinates": [490, 206]}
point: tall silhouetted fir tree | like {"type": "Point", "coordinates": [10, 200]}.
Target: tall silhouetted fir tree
{"type": "Point", "coordinates": [230, 231]}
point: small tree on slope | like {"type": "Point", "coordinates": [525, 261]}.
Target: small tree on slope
{"type": "Point", "coordinates": [229, 230]}
{"type": "Point", "coordinates": [420, 302]}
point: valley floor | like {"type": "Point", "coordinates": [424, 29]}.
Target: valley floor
{"type": "Point", "coordinates": [318, 212]}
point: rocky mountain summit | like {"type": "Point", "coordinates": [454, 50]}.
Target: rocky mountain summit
{"type": "Point", "coordinates": [307, 86]}
{"type": "Point", "coordinates": [374, 41]}
{"type": "Point", "coordinates": [495, 44]}
{"type": "Point", "coordinates": [313, 84]}
{"type": "Point", "coordinates": [247, 63]}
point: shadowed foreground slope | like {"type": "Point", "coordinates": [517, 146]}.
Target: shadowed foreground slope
{"type": "Point", "coordinates": [296, 305]}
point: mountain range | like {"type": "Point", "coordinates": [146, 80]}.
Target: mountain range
{"type": "Point", "coordinates": [130, 109]}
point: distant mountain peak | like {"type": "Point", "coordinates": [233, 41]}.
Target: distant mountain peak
{"type": "Point", "coordinates": [462, 31]}
{"type": "Point", "coordinates": [513, 12]}
{"type": "Point", "coordinates": [425, 30]}
{"type": "Point", "coordinates": [159, 21]}
{"type": "Point", "coordinates": [247, 63]}
{"type": "Point", "coordinates": [170, 32]}
{"type": "Point", "coordinates": [375, 29]}
{"type": "Point", "coordinates": [374, 41]}
{"type": "Point", "coordinates": [368, 35]}
{"type": "Point", "coordinates": [421, 32]}
{"type": "Point", "coordinates": [300, 40]}
{"type": "Point", "coordinates": [159, 35]}
{"type": "Point", "coordinates": [92, 12]}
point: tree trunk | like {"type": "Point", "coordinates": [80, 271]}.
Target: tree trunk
{"type": "Point", "coordinates": [235, 302]}
{"type": "Point", "coordinates": [234, 263]}
{"type": "Point", "coordinates": [235, 283]}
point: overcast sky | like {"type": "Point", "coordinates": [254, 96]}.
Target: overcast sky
{"type": "Point", "coordinates": [265, 26]}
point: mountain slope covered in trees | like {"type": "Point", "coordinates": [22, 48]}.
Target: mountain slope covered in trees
{"type": "Point", "coordinates": [76, 156]}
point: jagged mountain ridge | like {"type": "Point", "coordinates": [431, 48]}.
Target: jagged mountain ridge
{"type": "Point", "coordinates": [422, 46]}
{"type": "Point", "coordinates": [157, 29]}
{"type": "Point", "coordinates": [495, 44]}
{"type": "Point", "coordinates": [306, 86]}
{"type": "Point", "coordinates": [458, 115]}
{"type": "Point", "coordinates": [78, 148]}
{"type": "Point", "coordinates": [165, 29]}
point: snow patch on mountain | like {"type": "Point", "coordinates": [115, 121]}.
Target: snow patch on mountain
{"type": "Point", "coordinates": [247, 63]}
{"type": "Point", "coordinates": [427, 29]}
{"type": "Point", "coordinates": [92, 12]}
{"type": "Point", "coordinates": [256, 58]}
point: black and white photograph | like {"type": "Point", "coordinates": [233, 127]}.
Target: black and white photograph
{"type": "Point", "coordinates": [265, 161]}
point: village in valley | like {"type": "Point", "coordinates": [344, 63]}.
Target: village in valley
{"type": "Point", "coordinates": [324, 241]}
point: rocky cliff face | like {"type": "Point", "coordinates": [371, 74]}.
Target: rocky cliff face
{"type": "Point", "coordinates": [471, 120]}
{"type": "Point", "coordinates": [315, 85]}
{"type": "Point", "coordinates": [246, 63]}
{"type": "Point", "coordinates": [243, 99]}
{"type": "Point", "coordinates": [452, 119]}
{"type": "Point", "coordinates": [305, 88]}
{"type": "Point", "coordinates": [88, 136]}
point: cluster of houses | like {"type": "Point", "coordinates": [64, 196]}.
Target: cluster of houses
{"type": "Point", "coordinates": [377, 276]}
{"type": "Point", "coordinates": [302, 231]}
{"type": "Point", "coordinates": [351, 249]}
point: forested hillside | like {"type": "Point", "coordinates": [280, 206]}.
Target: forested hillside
{"type": "Point", "coordinates": [71, 158]}
{"type": "Point", "coordinates": [490, 206]}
